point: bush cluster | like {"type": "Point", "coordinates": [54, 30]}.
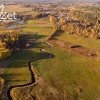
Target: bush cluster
{"type": "Point", "coordinates": [8, 42]}
{"type": "Point", "coordinates": [4, 53]}
{"type": "Point", "coordinates": [2, 88]}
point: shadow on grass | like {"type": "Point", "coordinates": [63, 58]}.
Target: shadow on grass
{"type": "Point", "coordinates": [8, 77]}
{"type": "Point", "coordinates": [8, 80]}
{"type": "Point", "coordinates": [27, 36]}
{"type": "Point", "coordinates": [42, 36]}
{"type": "Point", "coordinates": [58, 33]}
{"type": "Point", "coordinates": [21, 58]}
{"type": "Point", "coordinates": [18, 62]}
{"type": "Point", "coordinates": [30, 38]}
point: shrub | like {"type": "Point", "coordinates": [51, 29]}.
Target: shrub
{"type": "Point", "coordinates": [9, 40]}
{"type": "Point", "coordinates": [4, 54]}
{"type": "Point", "coordinates": [2, 82]}
{"type": "Point", "coordinates": [91, 36]}
{"type": "Point", "coordinates": [99, 35]}
{"type": "Point", "coordinates": [87, 34]}
{"type": "Point", "coordinates": [2, 49]}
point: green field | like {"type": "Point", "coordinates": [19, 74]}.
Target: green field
{"type": "Point", "coordinates": [79, 40]}
{"type": "Point", "coordinates": [19, 61]}
{"type": "Point", "coordinates": [41, 26]}
{"type": "Point", "coordinates": [64, 74]}
{"type": "Point", "coordinates": [61, 76]}
{"type": "Point", "coordinates": [15, 70]}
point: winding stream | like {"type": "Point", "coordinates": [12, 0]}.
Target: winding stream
{"type": "Point", "coordinates": [33, 80]}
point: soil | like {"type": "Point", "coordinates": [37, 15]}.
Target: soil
{"type": "Point", "coordinates": [76, 49]}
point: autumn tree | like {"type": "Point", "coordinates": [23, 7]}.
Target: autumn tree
{"type": "Point", "coordinates": [63, 20]}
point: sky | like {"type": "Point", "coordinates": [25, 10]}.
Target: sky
{"type": "Point", "coordinates": [48, 0]}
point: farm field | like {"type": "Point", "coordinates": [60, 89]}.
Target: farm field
{"type": "Point", "coordinates": [16, 8]}
{"type": "Point", "coordinates": [60, 77]}
{"type": "Point", "coordinates": [16, 70]}
{"type": "Point", "coordinates": [41, 26]}
{"type": "Point", "coordinates": [78, 40]}
{"type": "Point", "coordinates": [66, 76]}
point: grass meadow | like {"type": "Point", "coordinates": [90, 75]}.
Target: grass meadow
{"type": "Point", "coordinates": [66, 73]}
{"type": "Point", "coordinates": [66, 76]}
{"type": "Point", "coordinates": [79, 40]}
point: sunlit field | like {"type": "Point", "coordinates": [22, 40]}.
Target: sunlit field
{"type": "Point", "coordinates": [78, 40]}
{"type": "Point", "coordinates": [63, 38]}
{"type": "Point", "coordinates": [63, 74]}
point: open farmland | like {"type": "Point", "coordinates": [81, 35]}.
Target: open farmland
{"type": "Point", "coordinates": [78, 40]}
{"type": "Point", "coordinates": [50, 56]}
{"type": "Point", "coordinates": [16, 8]}
{"type": "Point", "coordinates": [64, 69]}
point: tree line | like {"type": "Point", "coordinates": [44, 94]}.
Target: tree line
{"type": "Point", "coordinates": [79, 28]}
{"type": "Point", "coordinates": [8, 43]}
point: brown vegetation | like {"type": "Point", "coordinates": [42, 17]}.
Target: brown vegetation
{"type": "Point", "coordinates": [76, 49]}
{"type": "Point", "coordinates": [2, 88]}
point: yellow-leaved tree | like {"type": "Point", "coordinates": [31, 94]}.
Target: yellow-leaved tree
{"type": "Point", "coordinates": [4, 53]}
